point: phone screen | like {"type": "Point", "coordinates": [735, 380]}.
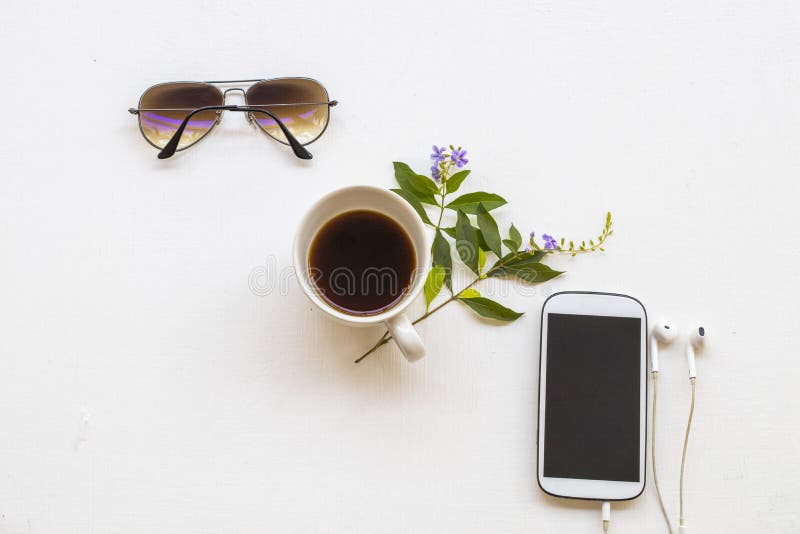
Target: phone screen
{"type": "Point", "coordinates": [592, 400]}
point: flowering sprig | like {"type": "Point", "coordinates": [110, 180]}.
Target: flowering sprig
{"type": "Point", "coordinates": [476, 235]}
{"type": "Point", "coordinates": [550, 244]}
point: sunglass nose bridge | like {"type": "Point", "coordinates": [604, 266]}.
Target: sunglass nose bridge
{"type": "Point", "coordinates": [249, 116]}
{"type": "Point", "coordinates": [234, 90]}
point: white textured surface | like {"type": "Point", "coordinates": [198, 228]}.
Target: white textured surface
{"type": "Point", "coordinates": [145, 388]}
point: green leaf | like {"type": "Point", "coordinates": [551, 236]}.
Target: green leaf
{"type": "Point", "coordinates": [519, 256]}
{"type": "Point", "coordinates": [481, 241]}
{"type": "Point", "coordinates": [420, 186]}
{"type": "Point", "coordinates": [414, 201]}
{"type": "Point", "coordinates": [521, 259]}
{"type": "Point", "coordinates": [512, 246]}
{"type": "Point", "coordinates": [489, 230]}
{"type": "Point", "coordinates": [469, 203]}
{"type": "Point", "coordinates": [481, 260]}
{"type": "Point", "coordinates": [454, 182]}
{"type": "Point", "coordinates": [526, 267]}
{"type": "Point", "coordinates": [490, 309]}
{"type": "Point", "coordinates": [440, 250]}
{"type": "Point", "coordinates": [515, 237]}
{"type": "Point", "coordinates": [451, 231]}
{"type": "Point", "coordinates": [469, 293]}
{"type": "Point", "coordinates": [467, 242]}
{"type": "Point", "coordinates": [433, 284]}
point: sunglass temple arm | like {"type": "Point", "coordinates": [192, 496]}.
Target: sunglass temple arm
{"type": "Point", "coordinates": [169, 149]}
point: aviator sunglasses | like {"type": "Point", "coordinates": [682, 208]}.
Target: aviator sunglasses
{"type": "Point", "coordinates": [175, 115]}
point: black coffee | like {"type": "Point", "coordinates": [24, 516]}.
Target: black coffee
{"type": "Point", "coordinates": [362, 262]}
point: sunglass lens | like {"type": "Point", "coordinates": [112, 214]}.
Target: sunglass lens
{"type": "Point", "coordinates": [163, 108]}
{"type": "Point", "coordinates": [301, 105]}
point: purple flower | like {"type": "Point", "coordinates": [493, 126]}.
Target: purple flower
{"type": "Point", "coordinates": [549, 242]}
{"type": "Point", "coordinates": [436, 172]}
{"type": "Point", "coordinates": [527, 250]}
{"type": "Point", "coordinates": [439, 154]}
{"type": "Point", "coordinates": [533, 234]}
{"type": "Point", "coordinates": [459, 157]}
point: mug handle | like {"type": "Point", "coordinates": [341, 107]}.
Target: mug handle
{"type": "Point", "coordinates": [406, 337]}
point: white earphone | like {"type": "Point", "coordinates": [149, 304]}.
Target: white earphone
{"type": "Point", "coordinates": [696, 342]}
{"type": "Point", "coordinates": [662, 332]}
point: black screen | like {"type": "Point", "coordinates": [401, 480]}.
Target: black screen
{"type": "Point", "coordinates": [593, 397]}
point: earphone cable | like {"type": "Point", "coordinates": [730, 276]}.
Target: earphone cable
{"type": "Point", "coordinates": [653, 454]}
{"type": "Point", "coordinates": [685, 446]}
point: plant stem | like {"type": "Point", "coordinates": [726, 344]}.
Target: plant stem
{"type": "Point", "coordinates": [385, 338]}
{"type": "Point", "coordinates": [441, 207]}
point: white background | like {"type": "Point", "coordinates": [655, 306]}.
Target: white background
{"type": "Point", "coordinates": [145, 388]}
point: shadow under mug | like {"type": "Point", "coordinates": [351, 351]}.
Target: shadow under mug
{"type": "Point", "coordinates": [364, 197]}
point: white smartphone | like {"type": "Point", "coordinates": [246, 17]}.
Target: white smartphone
{"type": "Point", "coordinates": [592, 396]}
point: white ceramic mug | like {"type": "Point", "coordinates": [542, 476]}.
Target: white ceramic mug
{"type": "Point", "coordinates": [363, 197]}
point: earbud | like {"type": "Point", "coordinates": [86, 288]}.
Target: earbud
{"type": "Point", "coordinates": [662, 332]}
{"type": "Point", "coordinates": [696, 342]}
